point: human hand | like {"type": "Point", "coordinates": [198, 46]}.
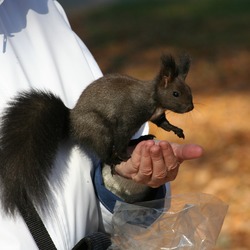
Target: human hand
{"type": "Point", "coordinates": [155, 163]}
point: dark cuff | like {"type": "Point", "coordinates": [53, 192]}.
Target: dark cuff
{"type": "Point", "coordinates": [108, 199]}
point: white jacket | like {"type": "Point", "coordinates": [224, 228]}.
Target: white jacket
{"type": "Point", "coordinates": [39, 50]}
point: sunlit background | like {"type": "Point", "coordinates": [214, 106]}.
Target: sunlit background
{"type": "Point", "coordinates": [129, 37]}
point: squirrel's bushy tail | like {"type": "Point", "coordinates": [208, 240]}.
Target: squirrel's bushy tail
{"type": "Point", "coordinates": [32, 127]}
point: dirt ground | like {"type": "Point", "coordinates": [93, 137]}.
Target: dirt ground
{"type": "Point", "coordinates": [130, 39]}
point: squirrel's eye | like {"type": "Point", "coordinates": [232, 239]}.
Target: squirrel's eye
{"type": "Point", "coordinates": [176, 94]}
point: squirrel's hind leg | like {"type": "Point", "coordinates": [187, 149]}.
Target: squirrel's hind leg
{"type": "Point", "coordinates": [94, 133]}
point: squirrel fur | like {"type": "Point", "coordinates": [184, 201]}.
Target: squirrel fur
{"type": "Point", "coordinates": [108, 113]}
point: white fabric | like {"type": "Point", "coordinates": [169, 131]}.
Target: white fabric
{"type": "Point", "coordinates": [38, 49]}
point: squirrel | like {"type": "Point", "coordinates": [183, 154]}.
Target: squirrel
{"type": "Point", "coordinates": [108, 113]}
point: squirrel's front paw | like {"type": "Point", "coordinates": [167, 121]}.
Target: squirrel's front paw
{"type": "Point", "coordinates": [179, 132]}
{"type": "Point", "coordinates": [115, 160]}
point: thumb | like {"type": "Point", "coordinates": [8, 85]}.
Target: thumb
{"type": "Point", "coordinates": [187, 151]}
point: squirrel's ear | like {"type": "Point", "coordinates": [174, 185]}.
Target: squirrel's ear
{"type": "Point", "coordinates": [184, 66]}
{"type": "Point", "coordinates": [167, 80]}
{"type": "Point", "coordinates": [168, 68]}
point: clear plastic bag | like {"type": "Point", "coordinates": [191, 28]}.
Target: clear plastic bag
{"type": "Point", "coordinates": [190, 221]}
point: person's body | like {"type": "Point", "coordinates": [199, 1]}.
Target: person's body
{"type": "Point", "coordinates": [39, 50]}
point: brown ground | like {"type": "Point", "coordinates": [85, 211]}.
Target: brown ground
{"type": "Point", "coordinates": [219, 77]}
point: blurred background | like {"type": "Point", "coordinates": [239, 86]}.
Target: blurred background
{"type": "Point", "coordinates": [129, 37]}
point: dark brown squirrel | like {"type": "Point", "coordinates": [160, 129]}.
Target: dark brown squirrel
{"type": "Point", "coordinates": [108, 113]}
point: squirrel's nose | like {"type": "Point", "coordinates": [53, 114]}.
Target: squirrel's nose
{"type": "Point", "coordinates": [190, 107]}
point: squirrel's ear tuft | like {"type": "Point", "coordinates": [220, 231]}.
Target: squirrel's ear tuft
{"type": "Point", "coordinates": [169, 69]}
{"type": "Point", "coordinates": [184, 65]}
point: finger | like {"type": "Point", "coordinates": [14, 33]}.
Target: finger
{"type": "Point", "coordinates": [165, 164]}
{"type": "Point", "coordinates": [145, 169]}
{"type": "Point", "coordinates": [170, 159]}
{"type": "Point", "coordinates": [158, 164]}
{"type": "Point", "coordinates": [187, 151]}
{"type": "Point", "coordinates": [171, 175]}
{"type": "Point", "coordinates": [131, 167]}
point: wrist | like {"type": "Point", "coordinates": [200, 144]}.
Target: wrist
{"type": "Point", "coordinates": [124, 188]}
